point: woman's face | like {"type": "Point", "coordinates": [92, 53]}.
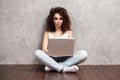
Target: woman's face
{"type": "Point", "coordinates": [58, 20]}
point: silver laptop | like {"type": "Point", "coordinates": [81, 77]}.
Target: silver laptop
{"type": "Point", "coordinates": [61, 47]}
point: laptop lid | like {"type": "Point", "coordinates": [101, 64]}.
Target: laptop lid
{"type": "Point", "coordinates": [61, 47]}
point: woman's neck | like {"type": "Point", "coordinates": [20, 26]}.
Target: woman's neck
{"type": "Point", "coordinates": [58, 29]}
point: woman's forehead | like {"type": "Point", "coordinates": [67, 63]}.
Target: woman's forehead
{"type": "Point", "coordinates": [57, 15]}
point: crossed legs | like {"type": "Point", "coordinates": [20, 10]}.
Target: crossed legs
{"type": "Point", "coordinates": [48, 61]}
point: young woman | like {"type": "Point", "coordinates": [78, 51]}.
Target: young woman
{"type": "Point", "coordinates": [59, 26]}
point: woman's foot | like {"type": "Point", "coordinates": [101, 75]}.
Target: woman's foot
{"type": "Point", "coordinates": [47, 69]}
{"type": "Point", "coordinates": [73, 68]}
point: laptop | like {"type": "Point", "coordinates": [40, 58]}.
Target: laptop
{"type": "Point", "coordinates": [61, 47]}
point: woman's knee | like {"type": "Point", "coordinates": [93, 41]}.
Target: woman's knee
{"type": "Point", "coordinates": [83, 53]}
{"type": "Point", "coordinates": [37, 52]}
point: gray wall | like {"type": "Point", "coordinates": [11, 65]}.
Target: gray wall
{"type": "Point", "coordinates": [95, 25]}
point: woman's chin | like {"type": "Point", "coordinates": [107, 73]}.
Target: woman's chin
{"type": "Point", "coordinates": [58, 26]}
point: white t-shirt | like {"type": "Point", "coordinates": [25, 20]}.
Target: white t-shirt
{"type": "Point", "coordinates": [64, 36]}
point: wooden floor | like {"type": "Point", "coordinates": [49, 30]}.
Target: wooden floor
{"type": "Point", "coordinates": [36, 72]}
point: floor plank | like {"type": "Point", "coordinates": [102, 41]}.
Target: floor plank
{"type": "Point", "coordinates": [36, 72]}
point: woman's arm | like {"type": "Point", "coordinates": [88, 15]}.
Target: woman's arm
{"type": "Point", "coordinates": [70, 35]}
{"type": "Point", "coordinates": [45, 42]}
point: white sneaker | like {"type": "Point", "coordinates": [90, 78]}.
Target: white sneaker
{"type": "Point", "coordinates": [73, 68]}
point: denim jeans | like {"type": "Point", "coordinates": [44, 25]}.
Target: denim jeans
{"type": "Point", "coordinates": [59, 62]}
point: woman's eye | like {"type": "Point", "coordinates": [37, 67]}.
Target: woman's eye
{"type": "Point", "coordinates": [55, 18]}
{"type": "Point", "coordinates": [61, 18]}
{"type": "Point", "coordinates": [58, 18]}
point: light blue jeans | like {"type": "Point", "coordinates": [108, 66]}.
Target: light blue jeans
{"type": "Point", "coordinates": [45, 59]}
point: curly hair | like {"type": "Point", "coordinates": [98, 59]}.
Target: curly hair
{"type": "Point", "coordinates": [50, 27]}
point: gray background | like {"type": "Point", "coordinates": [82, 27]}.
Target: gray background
{"type": "Point", "coordinates": [95, 25]}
